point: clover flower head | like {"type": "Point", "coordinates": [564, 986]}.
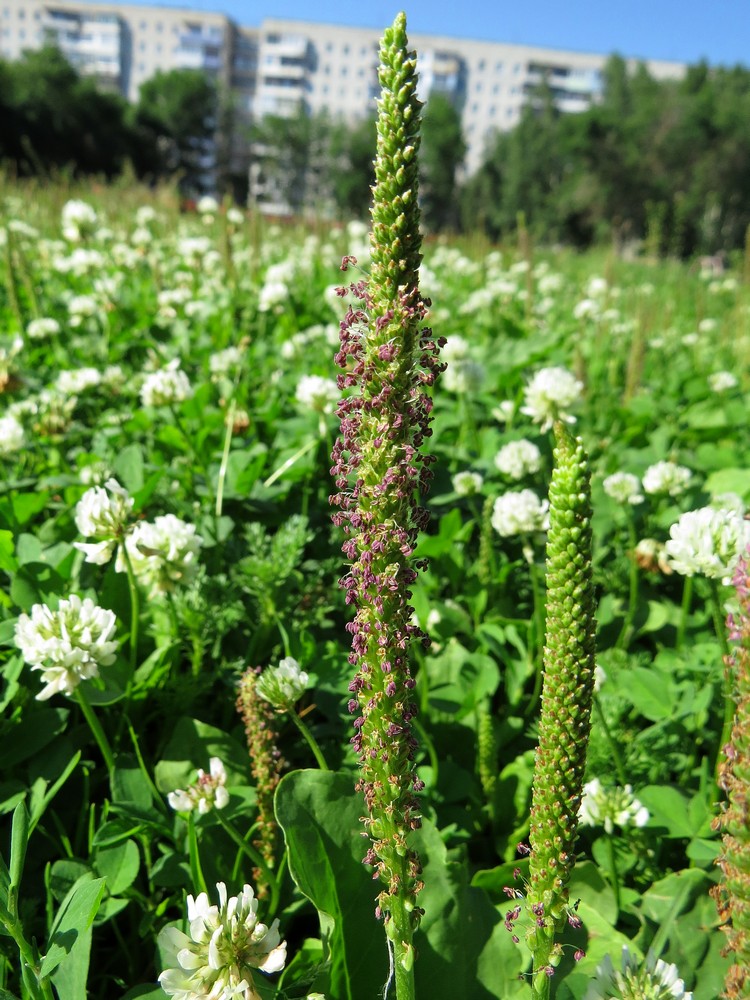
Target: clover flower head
{"type": "Point", "coordinates": [41, 328]}
{"type": "Point", "coordinates": [653, 979]}
{"type": "Point", "coordinates": [666, 477]}
{"type": "Point", "coordinates": [12, 436]}
{"type": "Point", "coordinates": [722, 381]}
{"type": "Point", "coordinates": [651, 555]}
{"type": "Point", "coordinates": [463, 375]}
{"type": "Point", "coordinates": [504, 411]}
{"type": "Point", "coordinates": [549, 395]}
{"type": "Point", "coordinates": [467, 483]}
{"type": "Point", "coordinates": [226, 361]}
{"type": "Point", "coordinates": [623, 487]}
{"type": "Point", "coordinates": [102, 513]}
{"type": "Point", "coordinates": [708, 542]}
{"type": "Point", "coordinates": [517, 459]}
{"type": "Point", "coordinates": [207, 205]}
{"type": "Point", "coordinates": [320, 394]}
{"type": "Point", "coordinates": [284, 685]}
{"type": "Point", "coordinates": [78, 219]}
{"type": "Point", "coordinates": [215, 961]}
{"type": "Point", "coordinates": [77, 380]}
{"type": "Point", "coordinates": [162, 553]}
{"type": "Point", "coordinates": [208, 791]}
{"type": "Point", "coordinates": [68, 645]}
{"type": "Point", "coordinates": [611, 807]}
{"type": "Point", "coordinates": [519, 512]}
{"type": "Point", "coordinates": [166, 386]}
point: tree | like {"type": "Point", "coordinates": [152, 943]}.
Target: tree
{"type": "Point", "coordinates": [441, 156]}
{"type": "Point", "coordinates": [53, 118]}
{"type": "Point", "coordinates": [352, 166]}
{"type": "Point", "coordinates": [176, 116]}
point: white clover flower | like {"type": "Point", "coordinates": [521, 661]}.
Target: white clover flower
{"type": "Point", "coordinates": [722, 381]}
{"type": "Point", "coordinates": [519, 513]}
{"type": "Point", "coordinates": [707, 325]}
{"type": "Point", "coordinates": [652, 979]}
{"type": "Point", "coordinates": [70, 383]}
{"type": "Point", "coordinates": [165, 386]}
{"type": "Point", "coordinates": [78, 220]}
{"type": "Point", "coordinates": [82, 307]}
{"type": "Point", "coordinates": [666, 477]}
{"type": "Point", "coordinates": [226, 361]}
{"type": "Point", "coordinates": [463, 376]}
{"type": "Point", "coordinates": [623, 487]}
{"type": "Point", "coordinates": [235, 216]}
{"type": "Point", "coordinates": [284, 685]}
{"type": "Point", "coordinates": [610, 807]}
{"type": "Point", "coordinates": [12, 435]}
{"type": "Point", "coordinates": [320, 394]}
{"type": "Point", "coordinates": [102, 513]}
{"type": "Point", "coordinates": [226, 943]}
{"type": "Point", "coordinates": [467, 483]}
{"type": "Point", "coordinates": [94, 474]}
{"type": "Point", "coordinates": [456, 349]}
{"type": "Point", "coordinates": [504, 411]}
{"type": "Point", "coordinates": [272, 296]}
{"type": "Point", "coordinates": [597, 287]}
{"type": "Point", "coordinates": [518, 459]}
{"type": "Point", "coordinates": [145, 215]}
{"type": "Point", "coordinates": [207, 205]}
{"type": "Point", "coordinates": [208, 791]}
{"type": "Point", "coordinates": [549, 394]}
{"type": "Point", "coordinates": [40, 329]}
{"type": "Point", "coordinates": [162, 553]}
{"type": "Point", "coordinates": [586, 309]}
{"type": "Point", "coordinates": [708, 542]}
{"type": "Point", "coordinates": [68, 645]}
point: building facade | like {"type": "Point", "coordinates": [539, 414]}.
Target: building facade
{"type": "Point", "coordinates": [283, 65]}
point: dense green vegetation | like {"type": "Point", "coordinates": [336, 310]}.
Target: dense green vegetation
{"type": "Point", "coordinates": [191, 359]}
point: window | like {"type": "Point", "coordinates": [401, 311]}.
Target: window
{"type": "Point", "coordinates": [480, 65]}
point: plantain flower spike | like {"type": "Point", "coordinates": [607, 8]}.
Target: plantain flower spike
{"type": "Point", "coordinates": [732, 894]}
{"type": "Point", "coordinates": [565, 719]}
{"type": "Point", "coordinates": [390, 362]}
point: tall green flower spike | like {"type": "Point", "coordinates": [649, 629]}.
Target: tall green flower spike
{"type": "Point", "coordinates": [566, 706]}
{"type": "Point", "coordinates": [390, 361]}
{"type": "Point", "coordinates": [732, 895]}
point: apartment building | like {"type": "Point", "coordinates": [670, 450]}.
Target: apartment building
{"type": "Point", "coordinates": [283, 65]}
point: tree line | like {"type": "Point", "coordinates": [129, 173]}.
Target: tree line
{"type": "Point", "coordinates": [664, 160]}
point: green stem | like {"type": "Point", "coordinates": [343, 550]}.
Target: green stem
{"type": "Point", "coordinates": [278, 473]}
{"type": "Point", "coordinates": [96, 729]}
{"type": "Point", "coordinates": [196, 869]}
{"type": "Point", "coordinates": [538, 621]}
{"type": "Point", "coordinates": [626, 634]}
{"type": "Point", "coordinates": [256, 857]}
{"type": "Point", "coordinates": [400, 935]}
{"type": "Point", "coordinates": [687, 596]}
{"type": "Point", "coordinates": [613, 869]}
{"type": "Point", "coordinates": [311, 742]}
{"type": "Point", "coordinates": [134, 611]}
{"type": "Point", "coordinates": [616, 755]}
{"type": "Point", "coordinates": [224, 459]}
{"type": "Point", "coordinates": [719, 619]}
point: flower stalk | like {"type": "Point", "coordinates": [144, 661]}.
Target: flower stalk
{"type": "Point", "coordinates": [390, 360]}
{"type": "Point", "coordinates": [567, 693]}
{"type": "Point", "coordinates": [732, 895]}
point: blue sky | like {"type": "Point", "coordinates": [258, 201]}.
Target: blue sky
{"type": "Point", "coordinates": [684, 30]}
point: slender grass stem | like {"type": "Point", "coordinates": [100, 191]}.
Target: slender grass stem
{"type": "Point", "coordinates": [626, 633]}
{"type": "Point", "coordinates": [96, 728]}
{"type": "Point", "coordinates": [310, 740]}
{"type": "Point", "coordinates": [687, 597]}
{"type": "Point", "coordinates": [224, 460]}
{"type": "Point", "coordinates": [255, 856]}
{"type": "Point", "coordinates": [616, 755]}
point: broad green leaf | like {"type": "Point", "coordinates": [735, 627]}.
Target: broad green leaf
{"type": "Point", "coordinates": [35, 583]}
{"type": "Point", "coordinates": [119, 865]}
{"type": "Point", "coordinates": [190, 747]}
{"type": "Point", "coordinates": [73, 920]}
{"type": "Point", "coordinates": [319, 814]}
{"type": "Point", "coordinates": [458, 934]}
{"type": "Point", "coordinates": [128, 468]}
